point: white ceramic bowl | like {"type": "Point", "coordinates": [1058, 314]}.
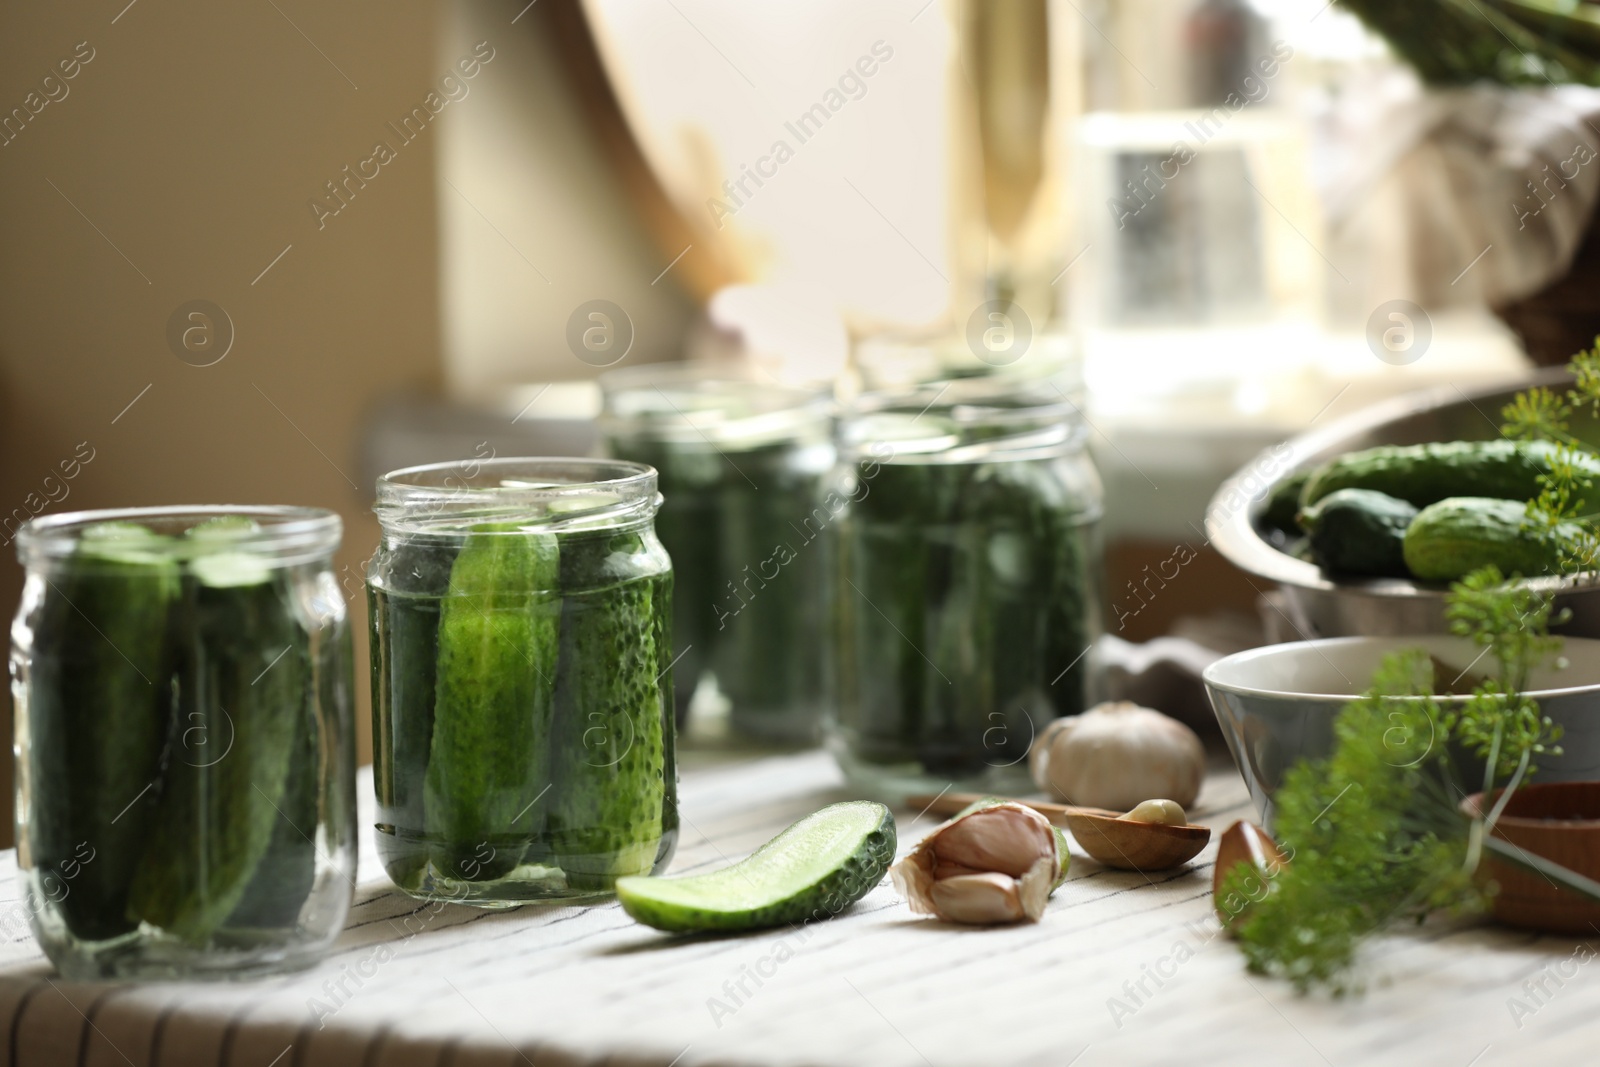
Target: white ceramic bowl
{"type": "Point", "coordinates": [1277, 704]}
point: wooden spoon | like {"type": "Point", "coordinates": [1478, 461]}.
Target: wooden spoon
{"type": "Point", "coordinates": [1110, 839]}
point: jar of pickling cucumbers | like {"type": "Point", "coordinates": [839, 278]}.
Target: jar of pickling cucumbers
{"type": "Point", "coordinates": [184, 738]}
{"type": "Point", "coordinates": [966, 583]}
{"type": "Point", "coordinates": [521, 614]}
{"type": "Point", "coordinates": [742, 462]}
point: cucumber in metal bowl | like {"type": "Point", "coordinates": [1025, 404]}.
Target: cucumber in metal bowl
{"type": "Point", "coordinates": [1314, 604]}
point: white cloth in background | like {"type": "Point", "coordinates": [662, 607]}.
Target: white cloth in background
{"type": "Point", "coordinates": [1418, 184]}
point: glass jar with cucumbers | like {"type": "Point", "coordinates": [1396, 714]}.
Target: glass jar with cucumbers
{"type": "Point", "coordinates": [184, 738]}
{"type": "Point", "coordinates": [521, 614]}
{"type": "Point", "coordinates": [966, 582]}
{"type": "Point", "coordinates": [742, 461]}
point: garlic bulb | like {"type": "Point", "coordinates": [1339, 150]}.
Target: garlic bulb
{"type": "Point", "coordinates": [1116, 755]}
{"type": "Point", "coordinates": [996, 862]}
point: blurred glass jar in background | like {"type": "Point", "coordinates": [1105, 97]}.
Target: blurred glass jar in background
{"type": "Point", "coordinates": [966, 587]}
{"type": "Point", "coordinates": [1193, 191]}
{"type": "Point", "coordinates": [185, 753]}
{"type": "Point", "coordinates": [741, 461]}
{"type": "Point", "coordinates": [523, 743]}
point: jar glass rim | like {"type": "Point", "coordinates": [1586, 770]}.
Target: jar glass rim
{"type": "Point", "coordinates": [959, 420]}
{"type": "Point", "coordinates": [546, 491]}
{"type": "Point", "coordinates": [713, 404]}
{"type": "Point", "coordinates": [288, 533]}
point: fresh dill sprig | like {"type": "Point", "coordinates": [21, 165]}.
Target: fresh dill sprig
{"type": "Point", "coordinates": [1364, 852]}
{"type": "Point", "coordinates": [1537, 414]}
{"type": "Point", "coordinates": [1585, 368]}
{"type": "Point", "coordinates": [1374, 830]}
{"type": "Point", "coordinates": [1541, 414]}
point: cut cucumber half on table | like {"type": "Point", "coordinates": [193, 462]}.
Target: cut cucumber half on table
{"type": "Point", "coordinates": [813, 870]}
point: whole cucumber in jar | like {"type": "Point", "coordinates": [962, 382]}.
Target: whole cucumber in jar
{"type": "Point", "coordinates": [242, 698]}
{"type": "Point", "coordinates": [499, 627]}
{"type": "Point", "coordinates": [610, 750]}
{"type": "Point", "coordinates": [98, 712]}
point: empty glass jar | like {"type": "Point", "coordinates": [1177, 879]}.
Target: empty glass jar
{"type": "Point", "coordinates": [185, 760]}
{"type": "Point", "coordinates": [966, 583]}
{"type": "Point", "coordinates": [521, 614]}
{"type": "Point", "coordinates": [742, 462]}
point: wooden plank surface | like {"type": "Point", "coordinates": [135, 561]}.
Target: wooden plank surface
{"type": "Point", "coordinates": [1124, 969]}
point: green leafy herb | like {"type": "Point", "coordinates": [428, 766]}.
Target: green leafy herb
{"type": "Point", "coordinates": [1374, 829]}
{"type": "Point", "coordinates": [1513, 42]}
{"type": "Point", "coordinates": [1543, 414]}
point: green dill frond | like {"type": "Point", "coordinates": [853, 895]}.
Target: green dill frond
{"type": "Point", "coordinates": [1374, 832]}
{"type": "Point", "coordinates": [1558, 498]}
{"type": "Point", "coordinates": [1365, 852]}
{"type": "Point", "coordinates": [1511, 621]}
{"type": "Point", "coordinates": [1585, 368]}
{"type": "Point", "coordinates": [1536, 414]}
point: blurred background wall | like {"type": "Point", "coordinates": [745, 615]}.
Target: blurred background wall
{"type": "Point", "coordinates": [178, 167]}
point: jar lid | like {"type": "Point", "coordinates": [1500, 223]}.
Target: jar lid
{"type": "Point", "coordinates": [530, 492]}
{"type": "Point", "coordinates": [719, 405]}
{"type": "Point", "coordinates": [286, 535]}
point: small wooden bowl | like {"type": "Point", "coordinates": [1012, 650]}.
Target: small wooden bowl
{"type": "Point", "coordinates": [1135, 846]}
{"type": "Point", "coordinates": [1561, 822]}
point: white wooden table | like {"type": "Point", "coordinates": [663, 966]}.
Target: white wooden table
{"type": "Point", "coordinates": [555, 985]}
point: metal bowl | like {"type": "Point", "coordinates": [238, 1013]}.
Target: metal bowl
{"type": "Point", "coordinates": [1314, 605]}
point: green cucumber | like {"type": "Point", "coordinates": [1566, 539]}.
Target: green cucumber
{"type": "Point", "coordinates": [813, 870]}
{"type": "Point", "coordinates": [403, 621]}
{"type": "Point", "coordinates": [1360, 532]}
{"type": "Point", "coordinates": [967, 603]}
{"type": "Point", "coordinates": [242, 687]}
{"type": "Point", "coordinates": [286, 873]}
{"type": "Point", "coordinates": [98, 710]}
{"type": "Point", "coordinates": [763, 648]}
{"type": "Point", "coordinates": [499, 627]}
{"type": "Point", "coordinates": [887, 555]}
{"type": "Point", "coordinates": [1283, 505]}
{"type": "Point", "coordinates": [1426, 474]}
{"type": "Point", "coordinates": [1454, 537]}
{"type": "Point", "coordinates": [688, 525]}
{"type": "Point", "coordinates": [609, 796]}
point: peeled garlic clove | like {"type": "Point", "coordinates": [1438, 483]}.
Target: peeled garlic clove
{"type": "Point", "coordinates": [1008, 839]}
{"type": "Point", "coordinates": [1161, 812]}
{"type": "Point", "coordinates": [979, 899]}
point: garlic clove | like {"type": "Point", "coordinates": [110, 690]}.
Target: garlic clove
{"type": "Point", "coordinates": [995, 862]}
{"type": "Point", "coordinates": [1033, 888]}
{"type": "Point", "coordinates": [1245, 845]}
{"type": "Point", "coordinates": [979, 899]}
{"type": "Point", "coordinates": [950, 870]}
{"type": "Point", "coordinates": [914, 878]}
{"type": "Point", "coordinates": [1007, 838]}
{"type": "Point", "coordinates": [1160, 812]}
